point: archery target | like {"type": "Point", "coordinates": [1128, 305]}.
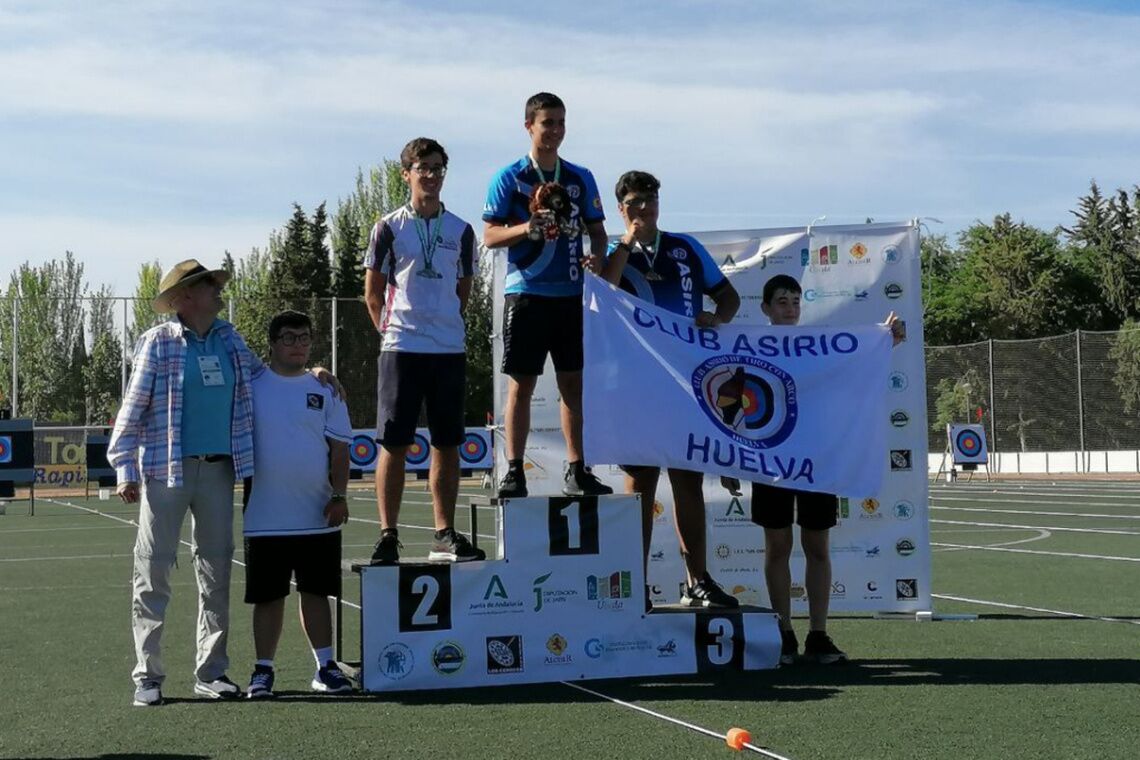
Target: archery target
{"type": "Point", "coordinates": [5, 449]}
{"type": "Point", "coordinates": [474, 451]}
{"type": "Point", "coordinates": [363, 451]}
{"type": "Point", "coordinates": [419, 451]}
{"type": "Point", "coordinates": [968, 444]}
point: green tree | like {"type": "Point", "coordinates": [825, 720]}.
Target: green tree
{"type": "Point", "coordinates": [249, 291]}
{"type": "Point", "coordinates": [1107, 237]}
{"type": "Point", "coordinates": [48, 307]}
{"type": "Point", "coordinates": [348, 253]}
{"type": "Point", "coordinates": [955, 398]}
{"type": "Point", "coordinates": [480, 370]}
{"type": "Point", "coordinates": [146, 290]}
{"type": "Point", "coordinates": [1125, 352]}
{"type": "Point", "coordinates": [102, 376]}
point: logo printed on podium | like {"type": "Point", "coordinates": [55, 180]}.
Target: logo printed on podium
{"type": "Point", "coordinates": [447, 658]}
{"type": "Point", "coordinates": [906, 589]}
{"type": "Point", "coordinates": [557, 646]}
{"type": "Point", "coordinates": [496, 600]}
{"type": "Point", "coordinates": [504, 654]}
{"type": "Point", "coordinates": [396, 661]}
{"type": "Point", "coordinates": [609, 590]}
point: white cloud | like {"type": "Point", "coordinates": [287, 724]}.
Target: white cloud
{"type": "Point", "coordinates": [747, 110]}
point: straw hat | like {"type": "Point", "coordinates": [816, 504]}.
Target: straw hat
{"type": "Point", "coordinates": [183, 275]}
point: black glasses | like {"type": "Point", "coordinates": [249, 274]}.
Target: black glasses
{"type": "Point", "coordinates": [289, 339]}
{"type": "Point", "coordinates": [639, 201]}
{"type": "Point", "coordinates": [428, 170]}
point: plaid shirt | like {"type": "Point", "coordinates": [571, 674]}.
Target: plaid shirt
{"type": "Point", "coordinates": [150, 418]}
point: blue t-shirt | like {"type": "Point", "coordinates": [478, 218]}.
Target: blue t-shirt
{"type": "Point", "coordinates": [544, 268]}
{"type": "Point", "coordinates": [683, 273]}
{"type": "Point", "coordinates": [207, 394]}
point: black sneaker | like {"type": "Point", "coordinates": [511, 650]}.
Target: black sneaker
{"type": "Point", "coordinates": [260, 683]}
{"type": "Point", "coordinates": [789, 647]}
{"type": "Point", "coordinates": [706, 593]}
{"type": "Point", "coordinates": [513, 485]}
{"type": "Point", "coordinates": [387, 551]}
{"type": "Point", "coordinates": [580, 481]}
{"type": "Point", "coordinates": [329, 679]}
{"type": "Point", "coordinates": [454, 547]}
{"type": "Point", "coordinates": [818, 647]}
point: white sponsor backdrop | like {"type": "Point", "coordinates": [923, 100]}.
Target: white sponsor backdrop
{"type": "Point", "coordinates": [881, 548]}
{"type": "Point", "coordinates": [566, 603]}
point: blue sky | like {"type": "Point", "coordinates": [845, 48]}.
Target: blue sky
{"type": "Point", "coordinates": [132, 131]}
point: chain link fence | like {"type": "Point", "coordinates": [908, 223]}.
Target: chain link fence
{"type": "Point", "coordinates": [1074, 392]}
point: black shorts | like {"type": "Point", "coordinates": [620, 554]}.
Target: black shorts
{"type": "Point", "coordinates": [271, 561]}
{"type": "Point", "coordinates": [407, 382]}
{"type": "Point", "coordinates": [772, 508]}
{"type": "Point", "coordinates": [534, 326]}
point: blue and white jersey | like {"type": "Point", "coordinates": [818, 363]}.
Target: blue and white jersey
{"type": "Point", "coordinates": [676, 276]}
{"type": "Point", "coordinates": [543, 268]}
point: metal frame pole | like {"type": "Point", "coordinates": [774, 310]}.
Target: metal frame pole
{"type": "Point", "coordinates": [123, 356]}
{"type": "Point", "coordinates": [332, 330]}
{"type": "Point", "coordinates": [993, 413]}
{"type": "Point", "coordinates": [1080, 403]}
{"type": "Point", "coordinates": [15, 357]}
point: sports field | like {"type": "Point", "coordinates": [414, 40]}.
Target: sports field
{"type": "Point", "coordinates": [1051, 667]}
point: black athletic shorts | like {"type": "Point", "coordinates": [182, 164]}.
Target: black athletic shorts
{"type": "Point", "coordinates": [534, 326]}
{"type": "Point", "coordinates": [772, 508]}
{"type": "Point", "coordinates": [407, 382]}
{"type": "Point", "coordinates": [272, 561]}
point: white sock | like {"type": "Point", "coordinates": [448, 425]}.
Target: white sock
{"type": "Point", "coordinates": [265, 663]}
{"type": "Point", "coordinates": [322, 655]}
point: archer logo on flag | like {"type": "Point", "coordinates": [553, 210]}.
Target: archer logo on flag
{"type": "Point", "coordinates": [751, 400]}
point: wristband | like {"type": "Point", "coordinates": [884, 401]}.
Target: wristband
{"type": "Point", "coordinates": [337, 497]}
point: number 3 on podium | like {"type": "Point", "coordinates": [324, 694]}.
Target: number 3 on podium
{"type": "Point", "coordinates": [719, 642]}
{"type": "Point", "coordinates": [573, 525]}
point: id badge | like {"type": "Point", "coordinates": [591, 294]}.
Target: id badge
{"type": "Point", "coordinates": [211, 369]}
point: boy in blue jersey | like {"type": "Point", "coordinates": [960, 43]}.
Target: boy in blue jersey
{"type": "Point", "coordinates": [674, 272]}
{"type": "Point", "coordinates": [543, 310]}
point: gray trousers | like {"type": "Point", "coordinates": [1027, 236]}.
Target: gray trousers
{"type": "Point", "coordinates": [208, 492]}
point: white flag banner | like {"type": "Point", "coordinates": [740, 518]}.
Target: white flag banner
{"type": "Point", "coordinates": [800, 407]}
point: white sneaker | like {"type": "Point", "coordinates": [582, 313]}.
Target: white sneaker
{"type": "Point", "coordinates": [148, 694]}
{"type": "Point", "coordinates": [220, 688]}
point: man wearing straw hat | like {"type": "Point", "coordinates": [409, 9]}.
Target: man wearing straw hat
{"type": "Point", "coordinates": [188, 412]}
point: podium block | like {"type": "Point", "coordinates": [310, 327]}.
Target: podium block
{"type": "Point", "coordinates": [566, 601]}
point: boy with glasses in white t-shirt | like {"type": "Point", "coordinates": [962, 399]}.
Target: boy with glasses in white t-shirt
{"type": "Point", "coordinates": [295, 503]}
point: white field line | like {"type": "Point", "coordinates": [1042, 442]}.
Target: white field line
{"type": "Point", "coordinates": [1056, 493]}
{"type": "Point", "coordinates": [184, 543]}
{"type": "Point", "coordinates": [57, 530]}
{"type": "Point", "coordinates": [1031, 502]}
{"type": "Point", "coordinates": [410, 527]}
{"type": "Point", "coordinates": [1040, 527]}
{"type": "Point", "coordinates": [1041, 533]}
{"type": "Point", "coordinates": [1004, 605]}
{"type": "Point", "coordinates": [1035, 551]}
{"type": "Point", "coordinates": [64, 559]}
{"type": "Point", "coordinates": [675, 721]}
